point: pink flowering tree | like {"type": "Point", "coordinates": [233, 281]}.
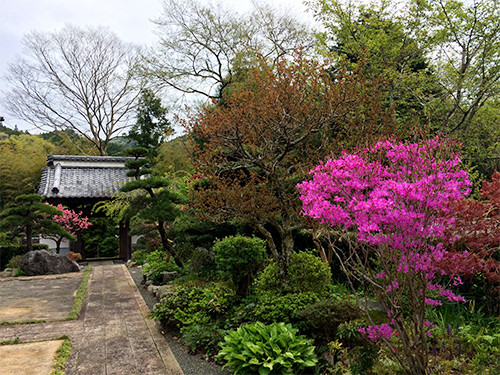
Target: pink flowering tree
{"type": "Point", "coordinates": [386, 209]}
{"type": "Point", "coordinates": [71, 221]}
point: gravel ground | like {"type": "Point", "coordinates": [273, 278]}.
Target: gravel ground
{"type": "Point", "coordinates": [190, 364]}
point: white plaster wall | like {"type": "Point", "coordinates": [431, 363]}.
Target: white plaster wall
{"type": "Point", "coordinates": [52, 244]}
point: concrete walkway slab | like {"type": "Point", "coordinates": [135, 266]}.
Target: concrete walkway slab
{"type": "Point", "coordinates": [113, 335]}
{"type": "Point", "coordinates": [38, 357]}
{"type": "Point", "coordinates": [38, 298]}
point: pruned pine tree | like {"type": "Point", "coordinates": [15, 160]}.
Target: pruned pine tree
{"type": "Point", "coordinates": [32, 217]}
{"type": "Point", "coordinates": [158, 203]}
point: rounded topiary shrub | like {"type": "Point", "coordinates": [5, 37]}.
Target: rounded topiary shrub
{"type": "Point", "coordinates": [239, 258]}
{"type": "Point", "coordinates": [273, 308]}
{"type": "Point", "coordinates": [307, 273]}
{"type": "Point", "coordinates": [267, 349]}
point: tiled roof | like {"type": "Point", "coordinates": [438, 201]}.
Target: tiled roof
{"type": "Point", "coordinates": [88, 159]}
{"type": "Point", "coordinates": [82, 176]}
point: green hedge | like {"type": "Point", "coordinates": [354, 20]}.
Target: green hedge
{"type": "Point", "coordinates": [307, 273]}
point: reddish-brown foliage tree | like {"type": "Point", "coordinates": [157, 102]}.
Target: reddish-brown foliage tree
{"type": "Point", "coordinates": [477, 225]}
{"type": "Point", "coordinates": [259, 141]}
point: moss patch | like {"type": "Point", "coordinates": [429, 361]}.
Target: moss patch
{"type": "Point", "coordinates": [11, 342]}
{"type": "Point", "coordinates": [80, 295]}
{"type": "Point", "coordinates": [25, 322]}
{"type": "Point", "coordinates": [62, 356]}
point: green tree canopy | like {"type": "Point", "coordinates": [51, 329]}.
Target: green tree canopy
{"type": "Point", "coordinates": [173, 158]}
{"type": "Point", "coordinates": [442, 59]}
{"type": "Point", "coordinates": [22, 158]}
{"type": "Point", "coordinates": [152, 128]}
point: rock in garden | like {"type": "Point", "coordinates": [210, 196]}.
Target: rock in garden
{"type": "Point", "coordinates": [42, 262]}
{"type": "Point", "coordinates": [131, 263]}
{"type": "Point", "coordinates": [155, 288]}
{"type": "Point", "coordinates": [168, 276]}
{"type": "Point", "coordinates": [8, 272]}
{"type": "Point", "coordinates": [371, 305]}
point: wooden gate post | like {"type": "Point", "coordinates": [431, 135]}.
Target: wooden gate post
{"type": "Point", "coordinates": [125, 241]}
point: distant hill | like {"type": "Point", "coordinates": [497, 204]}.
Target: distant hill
{"type": "Point", "coordinates": [8, 131]}
{"type": "Point", "coordinates": [173, 156]}
{"type": "Point", "coordinates": [118, 145]}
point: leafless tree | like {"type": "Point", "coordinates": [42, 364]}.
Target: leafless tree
{"type": "Point", "coordinates": [203, 48]}
{"type": "Point", "coordinates": [77, 78]}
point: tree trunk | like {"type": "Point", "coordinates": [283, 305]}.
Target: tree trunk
{"type": "Point", "coordinates": [281, 256]}
{"type": "Point", "coordinates": [321, 250]}
{"type": "Point", "coordinates": [287, 247]}
{"type": "Point", "coordinates": [58, 245]}
{"type": "Point", "coordinates": [166, 246]}
{"type": "Point", "coordinates": [29, 243]}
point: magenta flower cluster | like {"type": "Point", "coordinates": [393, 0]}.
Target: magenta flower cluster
{"type": "Point", "coordinates": [393, 194]}
{"type": "Point", "coordinates": [377, 332]}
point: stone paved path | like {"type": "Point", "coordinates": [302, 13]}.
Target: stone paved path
{"type": "Point", "coordinates": [112, 336]}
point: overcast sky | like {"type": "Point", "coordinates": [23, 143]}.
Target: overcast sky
{"type": "Point", "coordinates": [130, 19]}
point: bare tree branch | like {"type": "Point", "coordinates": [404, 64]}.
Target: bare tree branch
{"type": "Point", "coordinates": [76, 78]}
{"type": "Point", "coordinates": [203, 47]}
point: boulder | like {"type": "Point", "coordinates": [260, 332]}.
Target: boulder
{"type": "Point", "coordinates": [42, 262]}
{"type": "Point", "coordinates": [168, 276]}
{"type": "Point", "coordinates": [371, 305]}
{"type": "Point", "coordinates": [155, 288]}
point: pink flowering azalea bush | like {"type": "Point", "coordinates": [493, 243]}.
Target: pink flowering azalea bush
{"type": "Point", "coordinates": [387, 209]}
